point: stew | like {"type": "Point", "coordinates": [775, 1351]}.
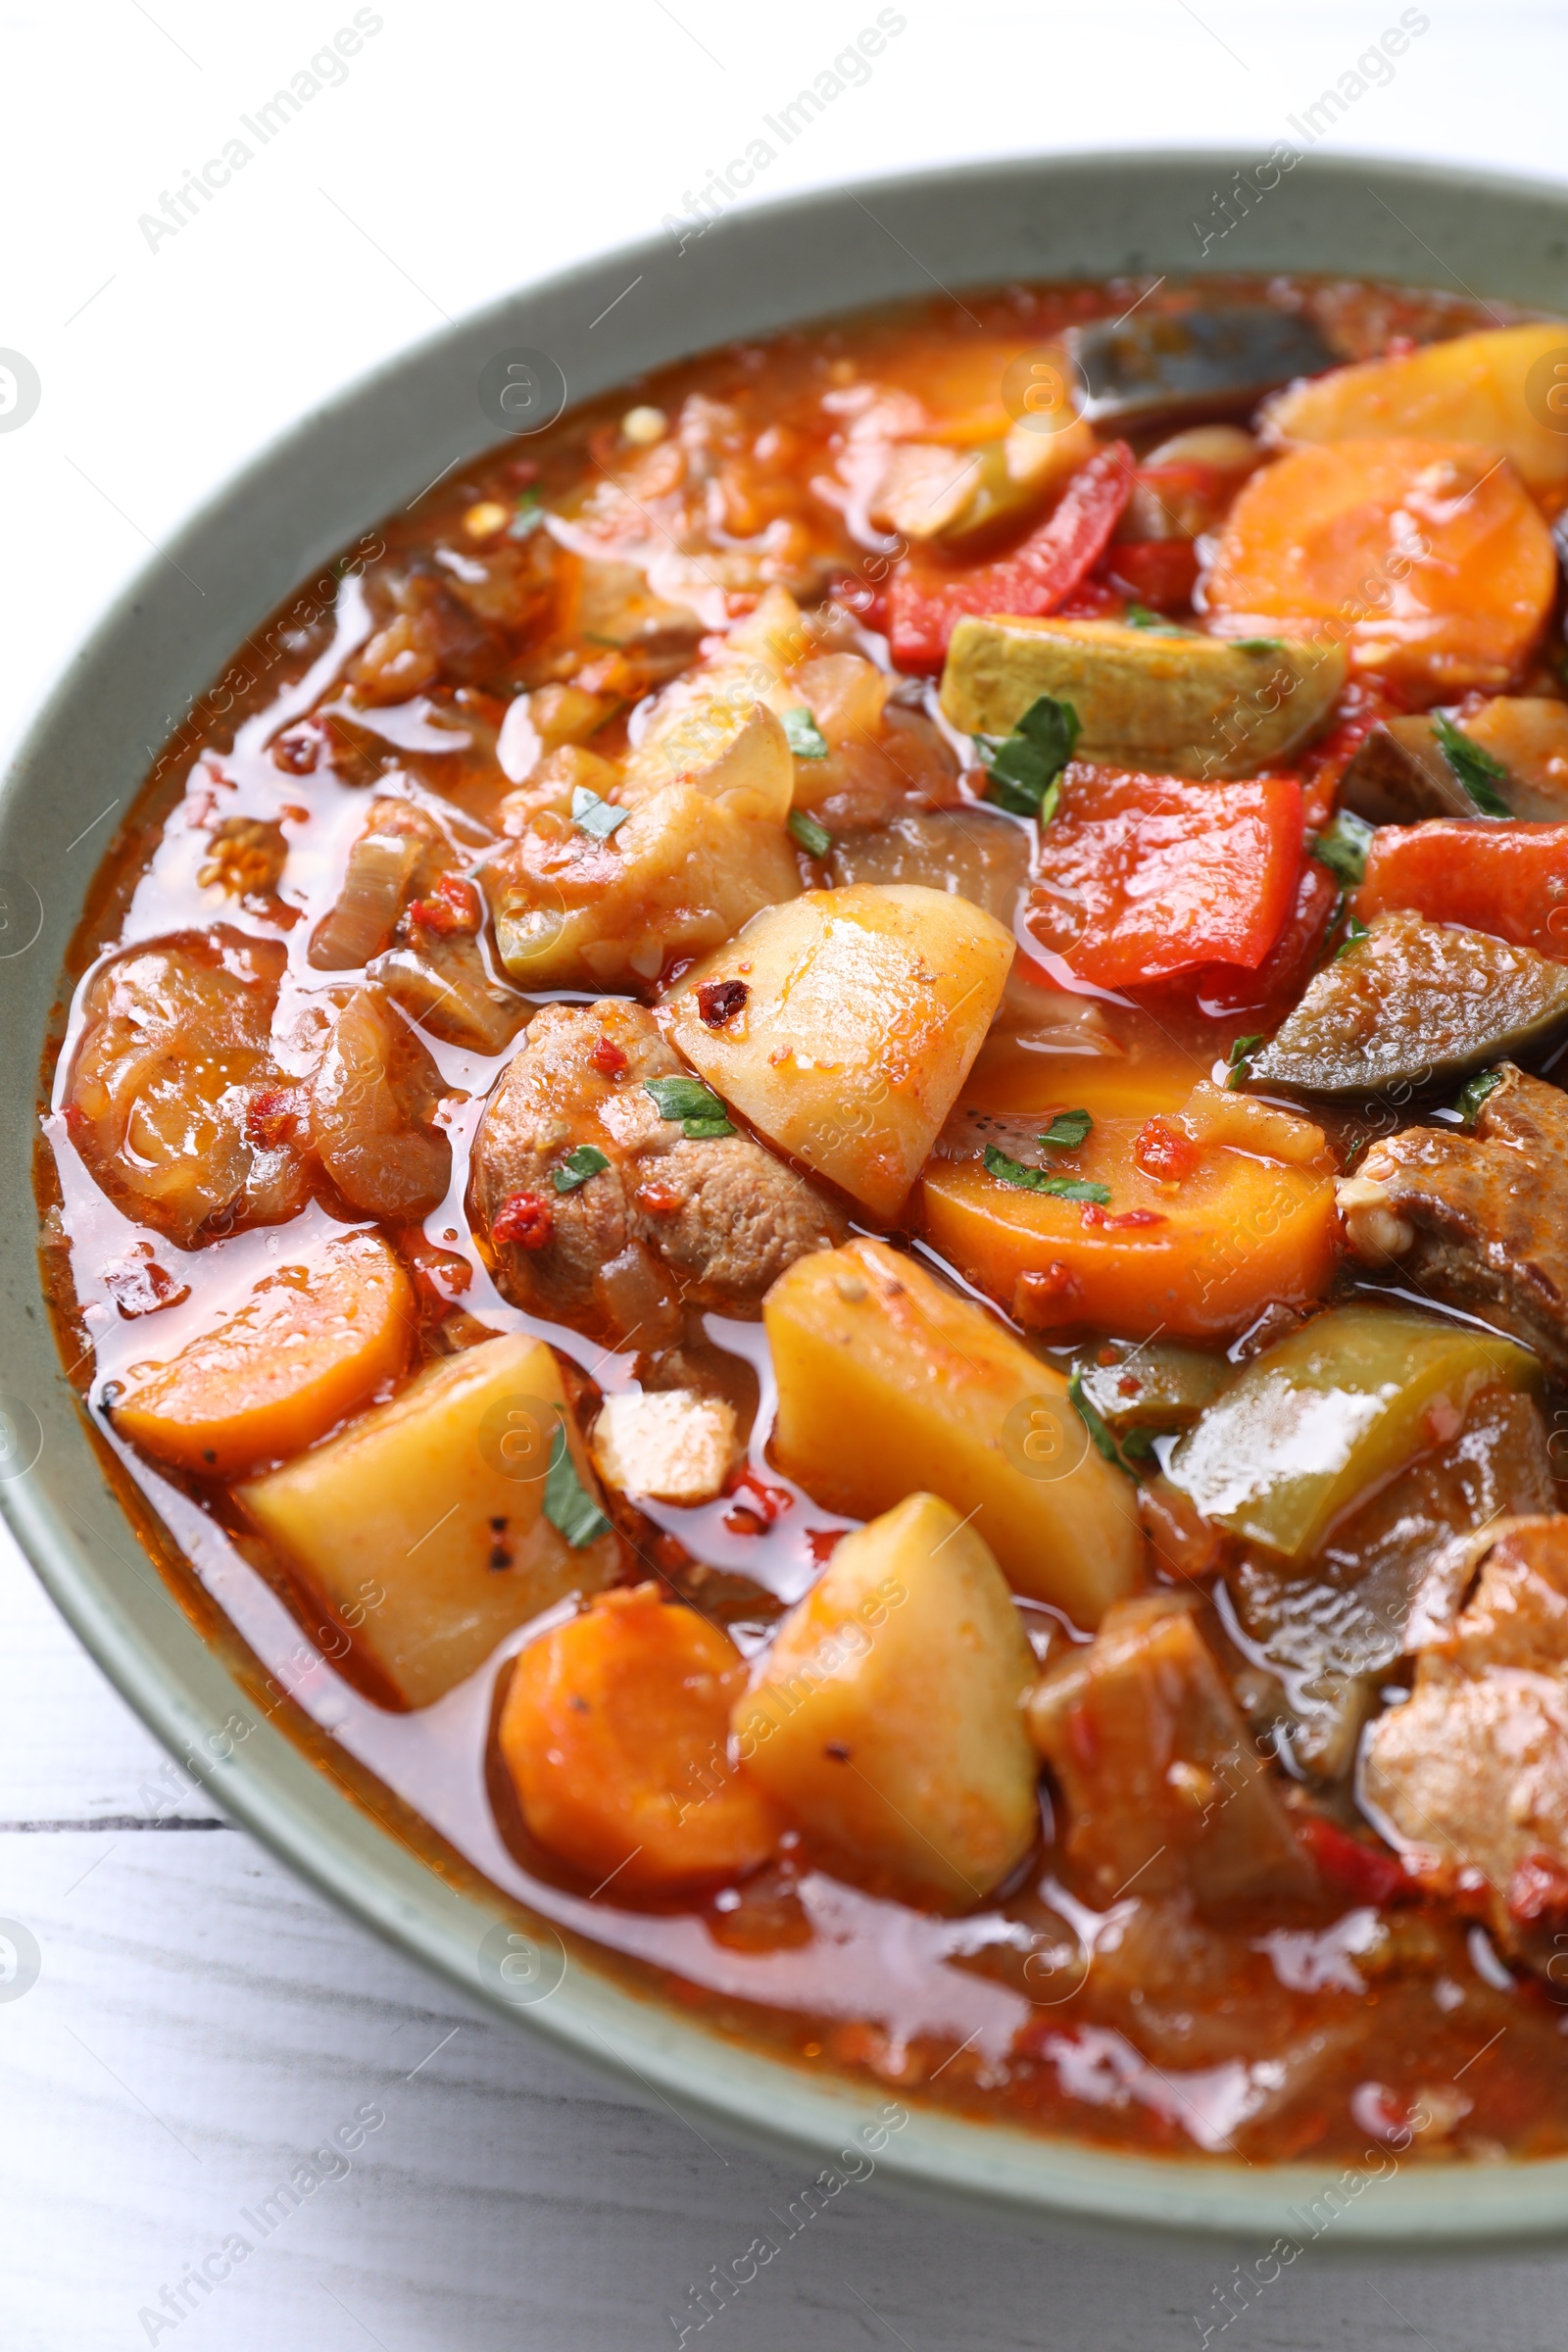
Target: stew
{"type": "Point", "coordinates": [805, 1163]}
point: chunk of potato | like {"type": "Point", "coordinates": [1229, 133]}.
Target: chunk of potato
{"type": "Point", "coordinates": [682, 874]}
{"type": "Point", "coordinates": [1490, 387]}
{"type": "Point", "coordinates": [1235, 1209]}
{"type": "Point", "coordinates": [1427, 561]}
{"type": "Point", "coordinates": [674, 1445]}
{"type": "Point", "coordinates": [1329, 1413]}
{"type": "Point", "coordinates": [718, 726]}
{"type": "Point", "coordinates": [1161, 1781]}
{"type": "Point", "coordinates": [1181, 704]}
{"type": "Point", "coordinates": [615, 1732]}
{"type": "Point", "coordinates": [865, 1009]}
{"type": "Point", "coordinates": [888, 1383]}
{"type": "Point", "coordinates": [887, 1717]}
{"type": "Point", "coordinates": [436, 1503]}
{"type": "Point", "coordinates": [311, 1342]}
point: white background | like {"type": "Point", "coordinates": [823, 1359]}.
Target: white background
{"type": "Point", "coordinates": [199, 2021]}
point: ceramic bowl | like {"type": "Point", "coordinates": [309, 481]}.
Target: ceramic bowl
{"type": "Point", "coordinates": [373, 450]}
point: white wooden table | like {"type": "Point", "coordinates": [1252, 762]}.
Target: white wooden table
{"type": "Point", "coordinates": [200, 2024]}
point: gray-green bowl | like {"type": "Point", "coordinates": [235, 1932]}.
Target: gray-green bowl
{"type": "Point", "coordinates": [339, 471]}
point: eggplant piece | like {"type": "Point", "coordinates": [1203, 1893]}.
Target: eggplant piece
{"type": "Point", "coordinates": [1414, 1004]}
{"type": "Point", "coordinates": [1480, 1220]}
{"type": "Point", "coordinates": [1401, 774]}
{"type": "Point", "coordinates": [1162, 366]}
{"type": "Point", "coordinates": [1181, 704]}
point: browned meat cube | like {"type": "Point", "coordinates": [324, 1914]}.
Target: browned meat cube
{"type": "Point", "coordinates": [1472, 1770]}
{"type": "Point", "coordinates": [1163, 1785]}
{"type": "Point", "coordinates": [1479, 1220]}
{"type": "Point", "coordinates": [646, 1219]}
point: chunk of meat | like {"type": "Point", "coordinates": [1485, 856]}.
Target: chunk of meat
{"type": "Point", "coordinates": [1472, 1771]}
{"type": "Point", "coordinates": [1479, 1221]}
{"type": "Point", "coordinates": [965, 851]}
{"type": "Point", "coordinates": [174, 1063]}
{"type": "Point", "coordinates": [1163, 1782]}
{"type": "Point", "coordinates": [711, 1222]}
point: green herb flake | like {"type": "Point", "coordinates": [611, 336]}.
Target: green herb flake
{"type": "Point", "coordinates": [1035, 1180]}
{"type": "Point", "coordinates": [568, 1507]}
{"type": "Point", "coordinates": [1474, 1093]}
{"type": "Point", "coordinates": [1342, 846]}
{"type": "Point", "coordinates": [1258, 644]}
{"type": "Point", "coordinates": [1067, 1130]}
{"type": "Point", "coordinates": [1099, 1432]}
{"type": "Point", "coordinates": [577, 1168]}
{"type": "Point", "coordinates": [702, 1115]}
{"type": "Point", "coordinates": [804, 736]}
{"type": "Point", "coordinates": [1240, 1053]}
{"type": "Point", "coordinates": [593, 815]}
{"type": "Point", "coordinates": [1139, 617]}
{"type": "Point", "coordinates": [1024, 767]}
{"type": "Point", "coordinates": [1476, 769]}
{"type": "Point", "coordinates": [815, 839]}
{"type": "Point", "coordinates": [527, 516]}
{"type": "Point", "coordinates": [1355, 933]}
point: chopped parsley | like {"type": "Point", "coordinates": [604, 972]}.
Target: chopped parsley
{"type": "Point", "coordinates": [1240, 1053]}
{"type": "Point", "coordinates": [704, 1118]}
{"type": "Point", "coordinates": [1139, 617]}
{"type": "Point", "coordinates": [804, 736]}
{"type": "Point", "coordinates": [1035, 1180]}
{"type": "Point", "coordinates": [1067, 1130]}
{"type": "Point", "coordinates": [1258, 644]}
{"type": "Point", "coordinates": [1474, 1093]}
{"type": "Point", "coordinates": [1355, 933]}
{"type": "Point", "coordinates": [1342, 846]}
{"type": "Point", "coordinates": [1476, 769]}
{"type": "Point", "coordinates": [528, 518]}
{"type": "Point", "coordinates": [577, 1168]}
{"type": "Point", "coordinates": [1139, 1442]}
{"type": "Point", "coordinates": [593, 815]}
{"type": "Point", "coordinates": [568, 1507]}
{"type": "Point", "coordinates": [1024, 767]}
{"type": "Point", "coordinates": [815, 839]}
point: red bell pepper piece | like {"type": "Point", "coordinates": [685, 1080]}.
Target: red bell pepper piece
{"type": "Point", "coordinates": [1364, 703]}
{"type": "Point", "coordinates": [1142, 876]}
{"type": "Point", "coordinates": [1160, 574]}
{"type": "Point", "coordinates": [1504, 877]}
{"type": "Point", "coordinates": [1224, 992]}
{"type": "Point", "coordinates": [1034, 579]}
{"type": "Point", "coordinates": [1351, 1866]}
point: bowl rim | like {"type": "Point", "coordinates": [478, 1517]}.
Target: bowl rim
{"type": "Point", "coordinates": [73, 1529]}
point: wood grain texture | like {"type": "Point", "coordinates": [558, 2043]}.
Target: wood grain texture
{"type": "Point", "coordinates": [201, 2025]}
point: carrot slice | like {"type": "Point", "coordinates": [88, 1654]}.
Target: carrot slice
{"type": "Point", "coordinates": [314, 1341]}
{"type": "Point", "coordinates": [615, 1733]}
{"type": "Point", "coordinates": [1426, 560]}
